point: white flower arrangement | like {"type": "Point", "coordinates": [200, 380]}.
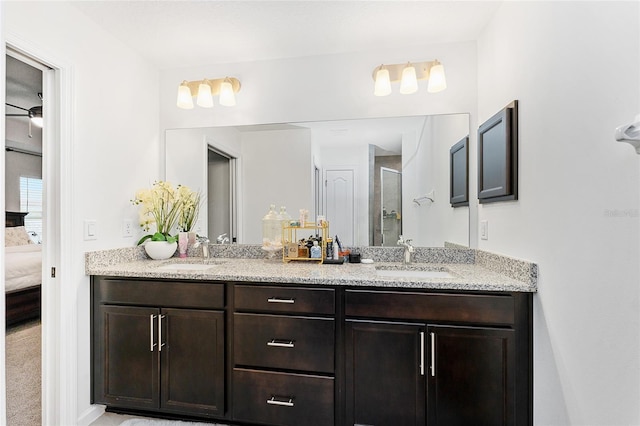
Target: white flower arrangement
{"type": "Point", "coordinates": [165, 207]}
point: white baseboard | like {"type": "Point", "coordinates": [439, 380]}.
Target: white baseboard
{"type": "Point", "coordinates": [90, 415]}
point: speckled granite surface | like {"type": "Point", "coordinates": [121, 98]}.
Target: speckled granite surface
{"type": "Point", "coordinates": [469, 269]}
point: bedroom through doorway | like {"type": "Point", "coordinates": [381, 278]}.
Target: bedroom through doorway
{"type": "Point", "coordinates": [24, 213]}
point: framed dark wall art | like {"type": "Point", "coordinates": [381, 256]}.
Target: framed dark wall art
{"type": "Point", "coordinates": [459, 173]}
{"type": "Point", "coordinates": [498, 156]}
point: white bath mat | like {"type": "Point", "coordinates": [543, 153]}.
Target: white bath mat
{"type": "Point", "coordinates": [160, 422]}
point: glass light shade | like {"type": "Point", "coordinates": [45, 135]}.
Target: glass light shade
{"type": "Point", "coordinates": [227, 98]}
{"type": "Point", "coordinates": [205, 99]}
{"type": "Point", "coordinates": [383, 83]}
{"type": "Point", "coordinates": [409, 81]}
{"type": "Point", "coordinates": [37, 121]}
{"type": "Point", "coordinates": [437, 81]}
{"type": "Point", "coordinates": [185, 101]}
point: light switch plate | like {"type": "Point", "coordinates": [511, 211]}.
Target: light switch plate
{"type": "Point", "coordinates": [484, 229]}
{"type": "Point", "coordinates": [90, 230]}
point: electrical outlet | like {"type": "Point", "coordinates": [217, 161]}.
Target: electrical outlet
{"type": "Point", "coordinates": [484, 229]}
{"type": "Point", "coordinates": [127, 228]}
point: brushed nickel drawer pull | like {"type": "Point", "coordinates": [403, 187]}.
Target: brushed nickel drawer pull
{"type": "Point", "coordinates": [279, 300]}
{"type": "Point", "coordinates": [281, 343]}
{"type": "Point", "coordinates": [153, 343]}
{"type": "Point", "coordinates": [422, 353]}
{"type": "Point", "coordinates": [274, 401]}
{"type": "Point", "coordinates": [433, 354]}
{"type": "Point", "coordinates": [160, 317]}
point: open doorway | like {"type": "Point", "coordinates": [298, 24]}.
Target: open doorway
{"type": "Point", "coordinates": [221, 196]}
{"type": "Point", "coordinates": [24, 237]}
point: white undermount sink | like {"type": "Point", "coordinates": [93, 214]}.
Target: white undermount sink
{"type": "Point", "coordinates": [412, 273]}
{"type": "Point", "coordinates": [186, 266]}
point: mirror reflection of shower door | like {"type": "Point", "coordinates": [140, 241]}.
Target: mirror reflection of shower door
{"type": "Point", "coordinates": [391, 205]}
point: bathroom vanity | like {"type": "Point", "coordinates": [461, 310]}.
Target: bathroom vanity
{"type": "Point", "coordinates": [248, 341]}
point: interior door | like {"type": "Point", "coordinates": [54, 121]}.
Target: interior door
{"type": "Point", "coordinates": [340, 204]}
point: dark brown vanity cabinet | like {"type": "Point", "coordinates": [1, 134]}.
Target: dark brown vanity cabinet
{"type": "Point", "coordinates": [291, 355]}
{"type": "Point", "coordinates": [284, 355]}
{"type": "Point", "coordinates": [158, 346]}
{"type": "Point", "coordinates": [438, 358]}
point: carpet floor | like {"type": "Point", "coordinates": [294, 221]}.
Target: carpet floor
{"type": "Point", "coordinates": [23, 369]}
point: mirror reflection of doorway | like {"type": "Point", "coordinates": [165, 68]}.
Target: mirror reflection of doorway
{"type": "Point", "coordinates": [390, 205]}
{"type": "Point", "coordinates": [221, 199]}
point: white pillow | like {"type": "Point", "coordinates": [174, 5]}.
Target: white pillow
{"type": "Point", "coordinates": [16, 236]}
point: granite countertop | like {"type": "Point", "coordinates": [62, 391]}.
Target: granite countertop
{"type": "Point", "coordinates": [463, 276]}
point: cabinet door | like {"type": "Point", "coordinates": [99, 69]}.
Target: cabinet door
{"type": "Point", "coordinates": [471, 376]}
{"type": "Point", "coordinates": [192, 359]}
{"type": "Point", "coordinates": [126, 369]}
{"type": "Point", "coordinates": [385, 374]}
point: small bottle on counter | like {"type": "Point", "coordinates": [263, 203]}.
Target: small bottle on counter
{"type": "Point", "coordinates": [329, 248]}
{"type": "Point", "coordinates": [316, 251]}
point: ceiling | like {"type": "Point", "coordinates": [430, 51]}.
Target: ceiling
{"type": "Point", "coordinates": [23, 83]}
{"type": "Point", "coordinates": [190, 33]}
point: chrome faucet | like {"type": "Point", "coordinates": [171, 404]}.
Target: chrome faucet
{"type": "Point", "coordinates": [204, 241]}
{"type": "Point", "coordinates": [222, 239]}
{"type": "Point", "coordinates": [408, 249]}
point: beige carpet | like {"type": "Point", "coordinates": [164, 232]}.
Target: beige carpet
{"type": "Point", "coordinates": [23, 351]}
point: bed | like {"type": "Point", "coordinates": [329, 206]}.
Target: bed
{"type": "Point", "coordinates": [23, 271]}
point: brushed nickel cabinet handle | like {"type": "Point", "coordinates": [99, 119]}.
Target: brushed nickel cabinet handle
{"type": "Point", "coordinates": [422, 353]}
{"type": "Point", "coordinates": [433, 354]}
{"type": "Point", "coordinates": [152, 343]}
{"type": "Point", "coordinates": [281, 343]}
{"type": "Point", "coordinates": [160, 317]}
{"type": "Point", "coordinates": [285, 402]}
{"type": "Point", "coordinates": [279, 300]}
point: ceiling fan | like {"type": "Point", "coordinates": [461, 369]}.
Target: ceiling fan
{"type": "Point", "coordinates": [34, 113]}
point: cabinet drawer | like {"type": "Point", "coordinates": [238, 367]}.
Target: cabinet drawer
{"type": "Point", "coordinates": [282, 399]}
{"type": "Point", "coordinates": [475, 308]}
{"type": "Point", "coordinates": [175, 294]}
{"type": "Point", "coordinates": [284, 342]}
{"type": "Point", "coordinates": [284, 299]}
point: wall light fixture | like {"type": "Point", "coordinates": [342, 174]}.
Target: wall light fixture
{"type": "Point", "coordinates": [408, 75]}
{"type": "Point", "coordinates": [205, 90]}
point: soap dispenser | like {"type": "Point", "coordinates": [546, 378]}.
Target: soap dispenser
{"type": "Point", "coordinates": [316, 251]}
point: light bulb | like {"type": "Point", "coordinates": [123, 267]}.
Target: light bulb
{"type": "Point", "coordinates": [437, 81]}
{"type": "Point", "coordinates": [37, 121]}
{"type": "Point", "coordinates": [382, 85]}
{"type": "Point", "coordinates": [409, 81]}
{"type": "Point", "coordinates": [205, 99]}
{"type": "Point", "coordinates": [185, 100]}
{"type": "Point", "coordinates": [227, 98]}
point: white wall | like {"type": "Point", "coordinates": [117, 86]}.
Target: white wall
{"type": "Point", "coordinates": [114, 139]}
{"type": "Point", "coordinates": [323, 88]}
{"type": "Point", "coordinates": [280, 160]}
{"type": "Point", "coordinates": [574, 67]}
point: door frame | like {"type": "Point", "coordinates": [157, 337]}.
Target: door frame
{"type": "Point", "coordinates": [59, 305]}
